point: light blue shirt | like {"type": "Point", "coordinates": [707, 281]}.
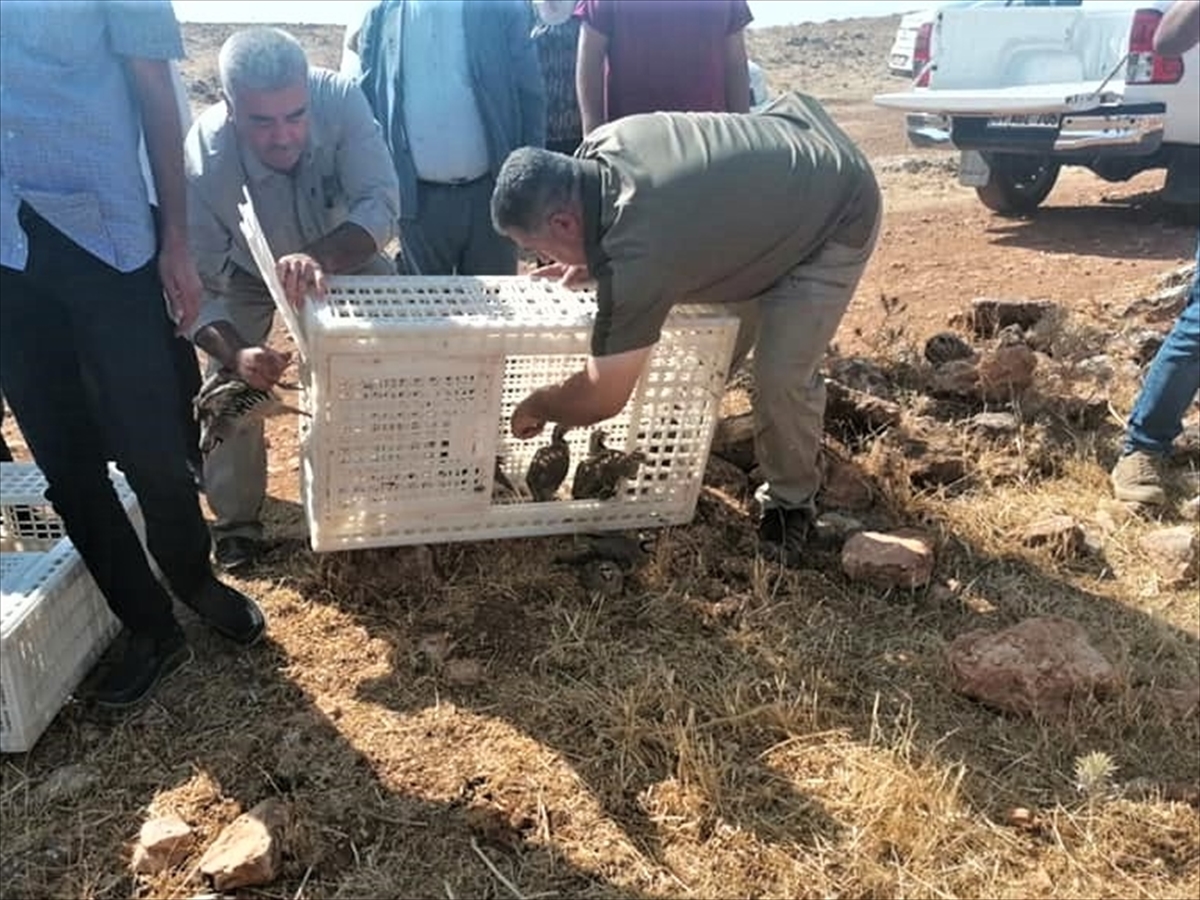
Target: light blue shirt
{"type": "Point", "coordinates": [70, 126]}
{"type": "Point", "coordinates": [441, 115]}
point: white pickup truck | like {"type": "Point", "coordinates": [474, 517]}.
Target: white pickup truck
{"type": "Point", "coordinates": [1025, 90]}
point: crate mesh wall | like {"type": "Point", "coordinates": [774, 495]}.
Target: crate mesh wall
{"type": "Point", "coordinates": [54, 623]}
{"type": "Point", "coordinates": [411, 382]}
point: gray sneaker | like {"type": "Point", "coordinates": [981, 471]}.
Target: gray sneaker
{"type": "Point", "coordinates": [1135, 479]}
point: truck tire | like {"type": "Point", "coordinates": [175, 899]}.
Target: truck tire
{"type": "Point", "coordinates": [1017, 184]}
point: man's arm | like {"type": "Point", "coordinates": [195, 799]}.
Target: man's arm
{"type": "Point", "coordinates": [589, 76]}
{"type": "Point", "coordinates": [155, 93]}
{"type": "Point", "coordinates": [527, 75]}
{"type": "Point", "coordinates": [737, 74]}
{"type": "Point", "coordinates": [1179, 30]}
{"type": "Point", "coordinates": [368, 177]}
{"type": "Point", "coordinates": [598, 392]}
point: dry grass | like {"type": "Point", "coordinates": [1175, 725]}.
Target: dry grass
{"type": "Point", "coordinates": [724, 728]}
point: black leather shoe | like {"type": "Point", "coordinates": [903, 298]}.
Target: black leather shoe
{"type": "Point", "coordinates": [140, 663]}
{"type": "Point", "coordinates": [783, 534]}
{"type": "Point", "coordinates": [236, 552]}
{"type": "Point", "coordinates": [231, 613]}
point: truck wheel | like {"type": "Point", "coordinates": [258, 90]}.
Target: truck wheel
{"type": "Point", "coordinates": [1017, 184]}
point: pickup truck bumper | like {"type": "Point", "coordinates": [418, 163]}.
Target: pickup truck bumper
{"type": "Point", "coordinates": [1126, 130]}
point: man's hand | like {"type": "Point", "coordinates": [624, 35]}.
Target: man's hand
{"type": "Point", "coordinates": [300, 275]}
{"type": "Point", "coordinates": [525, 422]}
{"type": "Point", "coordinates": [180, 282]}
{"type": "Point", "coordinates": [261, 367]}
{"type": "Point", "coordinates": [573, 277]}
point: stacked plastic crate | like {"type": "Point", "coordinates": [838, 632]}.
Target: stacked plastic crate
{"type": "Point", "coordinates": [54, 623]}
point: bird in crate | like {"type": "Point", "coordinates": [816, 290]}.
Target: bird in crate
{"type": "Point", "coordinates": [548, 468]}
{"type": "Point", "coordinates": [600, 474]}
{"type": "Point", "coordinates": [226, 405]}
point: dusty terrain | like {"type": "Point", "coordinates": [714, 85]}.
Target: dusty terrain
{"type": "Point", "coordinates": [723, 727]}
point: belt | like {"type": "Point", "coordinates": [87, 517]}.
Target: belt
{"type": "Point", "coordinates": [455, 182]}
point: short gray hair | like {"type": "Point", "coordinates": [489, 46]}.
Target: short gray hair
{"type": "Point", "coordinates": [260, 59]}
{"type": "Point", "coordinates": [532, 184]}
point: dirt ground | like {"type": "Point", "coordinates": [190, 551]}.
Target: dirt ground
{"type": "Point", "coordinates": [461, 722]}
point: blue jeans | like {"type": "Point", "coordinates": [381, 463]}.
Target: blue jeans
{"type": "Point", "coordinates": [1171, 382]}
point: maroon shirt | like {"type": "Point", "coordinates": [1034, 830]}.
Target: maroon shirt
{"type": "Point", "coordinates": [665, 55]}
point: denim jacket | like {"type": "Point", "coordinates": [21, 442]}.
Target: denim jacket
{"type": "Point", "coordinates": [504, 71]}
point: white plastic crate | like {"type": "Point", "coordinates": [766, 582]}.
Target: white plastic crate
{"type": "Point", "coordinates": [411, 382]}
{"type": "Point", "coordinates": [54, 622]}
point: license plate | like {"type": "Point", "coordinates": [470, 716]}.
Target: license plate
{"type": "Point", "coordinates": [899, 61]}
{"type": "Point", "coordinates": [1036, 120]}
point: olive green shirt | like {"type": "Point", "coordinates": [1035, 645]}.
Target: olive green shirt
{"type": "Point", "coordinates": [713, 208]}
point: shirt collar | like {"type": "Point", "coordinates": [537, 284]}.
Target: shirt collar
{"type": "Point", "coordinates": [258, 173]}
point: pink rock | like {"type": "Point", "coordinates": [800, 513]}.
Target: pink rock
{"type": "Point", "coordinates": [903, 560]}
{"type": "Point", "coordinates": [162, 843]}
{"type": "Point", "coordinates": [1040, 665]}
{"type": "Point", "coordinates": [249, 851]}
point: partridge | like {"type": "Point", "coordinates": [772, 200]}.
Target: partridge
{"type": "Point", "coordinates": [628, 553]}
{"type": "Point", "coordinates": [548, 468]}
{"type": "Point", "coordinates": [599, 476]}
{"type": "Point", "coordinates": [227, 405]}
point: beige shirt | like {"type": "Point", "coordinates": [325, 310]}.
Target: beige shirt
{"type": "Point", "coordinates": [345, 175]}
{"type": "Point", "coordinates": [713, 208]}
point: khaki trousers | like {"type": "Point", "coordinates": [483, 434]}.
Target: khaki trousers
{"type": "Point", "coordinates": [790, 326]}
{"type": "Point", "coordinates": [235, 472]}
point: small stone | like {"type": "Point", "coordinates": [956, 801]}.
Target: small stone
{"type": "Point", "coordinates": [162, 843]}
{"type": "Point", "coordinates": [1175, 552]}
{"type": "Point", "coordinates": [248, 852]}
{"type": "Point", "coordinates": [897, 560]}
{"type": "Point", "coordinates": [1061, 534]}
{"type": "Point", "coordinates": [1040, 665]}
{"type": "Point", "coordinates": [1191, 509]}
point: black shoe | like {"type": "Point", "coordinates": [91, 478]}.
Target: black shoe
{"type": "Point", "coordinates": [235, 552]}
{"type": "Point", "coordinates": [141, 661]}
{"type": "Point", "coordinates": [784, 533]}
{"type": "Point", "coordinates": [231, 613]}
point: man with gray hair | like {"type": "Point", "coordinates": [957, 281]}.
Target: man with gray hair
{"type": "Point", "coordinates": [773, 213]}
{"type": "Point", "coordinates": [303, 141]}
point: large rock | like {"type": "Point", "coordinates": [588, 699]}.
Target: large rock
{"type": "Point", "coordinates": [1041, 665]}
{"type": "Point", "coordinates": [897, 560]}
{"type": "Point", "coordinates": [162, 843]}
{"type": "Point", "coordinates": [249, 851]}
{"type": "Point", "coordinates": [1175, 553]}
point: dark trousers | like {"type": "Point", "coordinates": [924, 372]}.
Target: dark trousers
{"type": "Point", "coordinates": [68, 313]}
